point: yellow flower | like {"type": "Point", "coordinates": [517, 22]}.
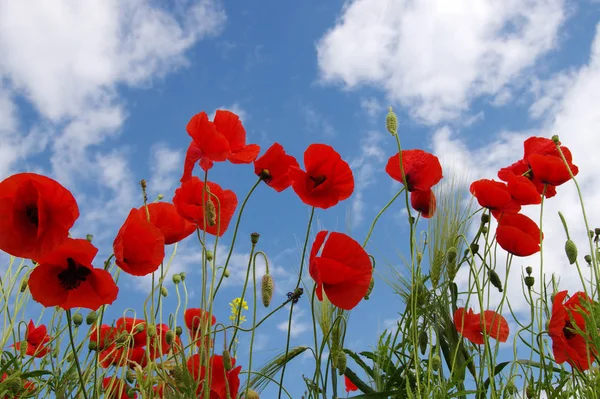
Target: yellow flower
{"type": "Point", "coordinates": [236, 310]}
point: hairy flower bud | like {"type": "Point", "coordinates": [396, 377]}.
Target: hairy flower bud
{"type": "Point", "coordinates": [571, 251]}
{"type": "Point", "coordinates": [474, 248]}
{"type": "Point", "coordinates": [370, 289]}
{"type": "Point", "coordinates": [24, 285]}
{"type": "Point", "coordinates": [89, 237]}
{"type": "Point", "coordinates": [391, 122]}
{"type": "Point", "coordinates": [485, 218]}
{"type": "Point", "coordinates": [588, 259]}
{"type": "Point", "coordinates": [495, 280]}
{"type": "Point", "coordinates": [23, 348]}
{"type": "Point", "coordinates": [226, 273]}
{"type": "Point", "coordinates": [227, 364]}
{"type": "Point", "coordinates": [77, 319]}
{"type": "Point", "coordinates": [160, 196]}
{"type": "Point", "coordinates": [91, 318]}
{"type": "Point", "coordinates": [266, 289]}
{"type": "Point", "coordinates": [92, 345]}
{"type": "Point", "coordinates": [182, 275]}
{"type": "Point", "coordinates": [341, 362]}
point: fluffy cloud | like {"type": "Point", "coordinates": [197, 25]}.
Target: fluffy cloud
{"type": "Point", "coordinates": [435, 56]}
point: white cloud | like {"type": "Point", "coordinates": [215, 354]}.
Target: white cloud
{"type": "Point", "coordinates": [371, 106]}
{"type": "Point", "coordinates": [165, 166]}
{"type": "Point", "coordinates": [435, 56]}
{"type": "Point", "coordinates": [317, 122]}
{"type": "Point", "coordinates": [298, 325]}
{"type": "Point", "coordinates": [236, 109]}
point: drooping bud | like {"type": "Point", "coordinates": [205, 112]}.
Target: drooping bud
{"type": "Point", "coordinates": [182, 275]}
{"type": "Point", "coordinates": [495, 280]}
{"type": "Point", "coordinates": [252, 395]}
{"type": "Point", "coordinates": [91, 318]}
{"type": "Point", "coordinates": [227, 364]}
{"type": "Point", "coordinates": [226, 273]}
{"type": "Point", "coordinates": [571, 251]}
{"type": "Point", "coordinates": [485, 218]}
{"type": "Point", "coordinates": [423, 339]}
{"type": "Point", "coordinates": [341, 362]}
{"type": "Point", "coordinates": [151, 330]}
{"type": "Point", "coordinates": [254, 238]}
{"type": "Point", "coordinates": [529, 281]}
{"type": "Point", "coordinates": [588, 259]}
{"type": "Point", "coordinates": [170, 337]}
{"type": "Point", "coordinates": [176, 278]}
{"type": "Point", "coordinates": [529, 270]}
{"type": "Point", "coordinates": [77, 319]}
{"type": "Point", "coordinates": [530, 390]}
{"type": "Point", "coordinates": [140, 327]}
{"type": "Point", "coordinates": [178, 331]}
{"type": "Point", "coordinates": [474, 248]}
{"type": "Point", "coordinates": [370, 289]}
{"type": "Point", "coordinates": [266, 289]}
{"type": "Point", "coordinates": [24, 285]}
{"type": "Point", "coordinates": [210, 256]}
{"type": "Point", "coordinates": [163, 291]}
{"type": "Point", "coordinates": [391, 122]}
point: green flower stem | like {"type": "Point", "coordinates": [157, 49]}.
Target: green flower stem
{"type": "Point", "coordinates": [239, 309]}
{"type": "Point", "coordinates": [381, 213]}
{"type": "Point", "coordinates": [75, 356]}
{"type": "Point", "coordinates": [253, 316]}
{"type": "Point", "coordinates": [287, 344]}
{"type": "Point", "coordinates": [235, 231]}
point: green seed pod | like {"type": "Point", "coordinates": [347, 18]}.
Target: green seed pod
{"type": "Point", "coordinates": [226, 273]}
{"type": "Point", "coordinates": [151, 330]}
{"type": "Point", "coordinates": [529, 270]}
{"type": "Point", "coordinates": [423, 339]}
{"type": "Point", "coordinates": [341, 362]}
{"type": "Point", "coordinates": [485, 218]}
{"type": "Point", "coordinates": [529, 281]}
{"type": "Point", "coordinates": [474, 248]}
{"type": "Point", "coordinates": [210, 256]}
{"type": "Point", "coordinates": [370, 289]}
{"type": "Point", "coordinates": [588, 259]}
{"type": "Point", "coordinates": [170, 337]}
{"type": "Point", "coordinates": [77, 319]}
{"type": "Point", "coordinates": [182, 275]}
{"type": "Point", "coordinates": [89, 237]}
{"type": "Point", "coordinates": [163, 291]}
{"type": "Point", "coordinates": [92, 345]}
{"type": "Point", "coordinates": [91, 318]}
{"type": "Point", "coordinates": [254, 238]}
{"type": "Point", "coordinates": [484, 229]}
{"type": "Point", "coordinates": [391, 122]}
{"type": "Point", "coordinates": [495, 280]}
{"type": "Point", "coordinates": [178, 331]}
{"type": "Point", "coordinates": [266, 289]}
{"type": "Point", "coordinates": [176, 279]}
{"type": "Point", "coordinates": [227, 360]}
{"type": "Point", "coordinates": [571, 251]}
{"type": "Point", "coordinates": [436, 362]}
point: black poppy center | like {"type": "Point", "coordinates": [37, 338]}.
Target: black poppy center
{"type": "Point", "coordinates": [265, 175]}
{"type": "Point", "coordinates": [75, 274]}
{"type": "Point", "coordinates": [318, 180]}
{"type": "Point", "coordinates": [568, 330]}
{"type": "Point", "coordinates": [32, 215]}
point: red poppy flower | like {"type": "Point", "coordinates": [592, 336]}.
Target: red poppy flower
{"type": "Point", "coordinates": [158, 344]}
{"type": "Point", "coordinates": [36, 339]}
{"type": "Point", "coordinates": [521, 168]}
{"type": "Point", "coordinates": [274, 167]}
{"type": "Point", "coordinates": [223, 139]}
{"type": "Point", "coordinates": [551, 170]}
{"type": "Point", "coordinates": [36, 214]}
{"type": "Point", "coordinates": [195, 317]}
{"type": "Point", "coordinates": [424, 202]}
{"type": "Point", "coordinates": [136, 356]}
{"type": "Point", "coordinates": [343, 270]}
{"type": "Point", "coordinates": [189, 199]}
{"type": "Point", "coordinates": [567, 344]}
{"type": "Point", "coordinates": [471, 327]}
{"type": "Point", "coordinates": [328, 178]}
{"type": "Point", "coordinates": [139, 246]}
{"type": "Point", "coordinates": [523, 191]}
{"type": "Point", "coordinates": [112, 355]}
{"type": "Point", "coordinates": [222, 381]}
{"type": "Point", "coordinates": [65, 277]}
{"type": "Point", "coordinates": [132, 326]}
{"type": "Point", "coordinates": [104, 338]}
{"type": "Point", "coordinates": [422, 169]}
{"type": "Point", "coordinates": [115, 388]}
{"type": "Point", "coordinates": [518, 234]}
{"type": "Point", "coordinates": [165, 217]}
{"type": "Point", "coordinates": [350, 387]}
{"type": "Point", "coordinates": [494, 195]}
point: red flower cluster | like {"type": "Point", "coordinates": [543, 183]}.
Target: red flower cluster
{"type": "Point", "coordinates": [568, 344]}
{"type": "Point", "coordinates": [422, 171]}
{"type": "Point", "coordinates": [36, 339]}
{"type": "Point", "coordinates": [343, 271]}
{"type": "Point", "coordinates": [471, 325]}
{"type": "Point", "coordinates": [222, 381]}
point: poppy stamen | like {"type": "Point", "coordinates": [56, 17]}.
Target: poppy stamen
{"type": "Point", "coordinates": [318, 180]}
{"type": "Point", "coordinates": [74, 275]}
{"type": "Point", "coordinates": [32, 215]}
{"type": "Point", "coordinates": [569, 331]}
{"type": "Point", "coordinates": [265, 175]}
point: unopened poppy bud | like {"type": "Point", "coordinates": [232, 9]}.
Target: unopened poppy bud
{"type": "Point", "coordinates": [266, 289]}
{"type": "Point", "coordinates": [474, 248]}
{"type": "Point", "coordinates": [170, 337]}
{"type": "Point", "coordinates": [163, 291]}
{"type": "Point", "coordinates": [495, 280]}
{"type": "Point", "coordinates": [176, 278]}
{"type": "Point", "coordinates": [211, 213]}
{"type": "Point", "coordinates": [77, 319]}
{"type": "Point", "coordinates": [411, 220]}
{"type": "Point", "coordinates": [419, 257]}
{"type": "Point", "coordinates": [178, 331]}
{"type": "Point", "coordinates": [226, 273]}
{"type": "Point", "coordinates": [391, 122]}
{"type": "Point", "coordinates": [588, 259]}
{"type": "Point", "coordinates": [341, 362]}
{"type": "Point", "coordinates": [254, 238]}
{"type": "Point", "coordinates": [436, 362]}
{"type": "Point", "coordinates": [140, 327]}
{"type": "Point", "coordinates": [529, 281]}
{"type": "Point", "coordinates": [91, 318]}
{"type": "Point", "coordinates": [370, 289]}
{"type": "Point", "coordinates": [485, 218]}
{"type": "Point", "coordinates": [24, 284]}
{"type": "Point", "coordinates": [423, 339]}
{"type": "Point", "coordinates": [92, 345]}
{"type": "Point", "coordinates": [209, 256]}
{"type": "Point", "coordinates": [529, 270]}
{"type": "Point", "coordinates": [89, 237]}
{"type": "Point", "coordinates": [160, 196]}
{"type": "Point", "coordinates": [252, 395]}
{"type": "Point", "coordinates": [182, 275]}
{"type": "Point", "coordinates": [23, 348]}
{"type": "Point", "coordinates": [484, 229]}
{"type": "Point", "coordinates": [571, 251]}
{"type": "Point", "coordinates": [555, 139]}
{"type": "Point", "coordinates": [227, 365]}
{"type": "Point", "coordinates": [591, 233]}
{"type": "Point", "coordinates": [151, 330]}
{"type": "Point", "coordinates": [130, 376]}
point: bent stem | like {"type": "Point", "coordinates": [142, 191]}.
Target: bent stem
{"type": "Point", "coordinates": [287, 344]}
{"type": "Point", "coordinates": [69, 322]}
{"type": "Point", "coordinates": [381, 213]}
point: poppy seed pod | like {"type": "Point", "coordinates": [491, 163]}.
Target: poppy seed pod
{"type": "Point", "coordinates": [227, 364]}
{"type": "Point", "coordinates": [89, 237]}
{"type": "Point", "coordinates": [391, 122]}
{"type": "Point", "coordinates": [267, 287]}
{"type": "Point", "coordinates": [474, 248]}
{"type": "Point", "coordinates": [90, 318]}
{"type": "Point", "coordinates": [588, 259]}
{"type": "Point", "coordinates": [77, 319]}
{"type": "Point", "coordinates": [92, 345]}
{"type": "Point", "coordinates": [495, 280]}
{"type": "Point", "coordinates": [485, 218]}
{"type": "Point", "coordinates": [571, 251]}
{"type": "Point", "coordinates": [529, 270]}
{"type": "Point", "coordinates": [163, 291]}
{"type": "Point", "coordinates": [226, 273]}
{"type": "Point", "coordinates": [209, 256]}
{"type": "Point", "coordinates": [178, 331]}
{"type": "Point", "coordinates": [341, 362]}
{"type": "Point", "coordinates": [182, 275]}
{"type": "Point", "coordinates": [176, 279]}
{"type": "Point", "coordinates": [254, 238]}
{"type": "Point", "coordinates": [529, 281]}
{"type": "Point", "coordinates": [170, 337]}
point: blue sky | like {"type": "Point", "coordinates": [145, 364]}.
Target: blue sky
{"type": "Point", "coordinates": [97, 95]}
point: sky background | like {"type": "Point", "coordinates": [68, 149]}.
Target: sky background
{"type": "Point", "coordinates": [97, 95]}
